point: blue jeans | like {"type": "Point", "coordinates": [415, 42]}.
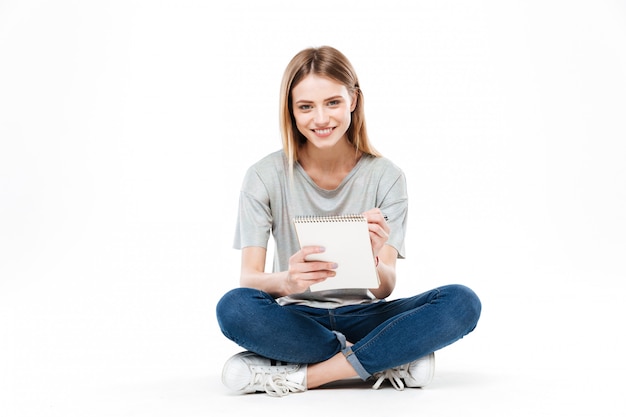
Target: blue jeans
{"type": "Point", "coordinates": [385, 334]}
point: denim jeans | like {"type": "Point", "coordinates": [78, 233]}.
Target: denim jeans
{"type": "Point", "coordinates": [385, 334]}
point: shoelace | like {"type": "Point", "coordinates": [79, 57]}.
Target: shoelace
{"type": "Point", "coordinates": [394, 375]}
{"type": "Point", "coordinates": [274, 384]}
{"type": "Point", "coordinates": [279, 386]}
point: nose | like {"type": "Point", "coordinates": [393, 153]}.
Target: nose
{"type": "Point", "coordinates": [321, 117]}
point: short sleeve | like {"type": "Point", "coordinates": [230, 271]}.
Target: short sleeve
{"type": "Point", "coordinates": [394, 205]}
{"type": "Point", "coordinates": [254, 217]}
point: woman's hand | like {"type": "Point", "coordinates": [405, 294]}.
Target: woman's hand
{"type": "Point", "coordinates": [385, 255]}
{"type": "Point", "coordinates": [379, 229]}
{"type": "Point", "coordinates": [302, 273]}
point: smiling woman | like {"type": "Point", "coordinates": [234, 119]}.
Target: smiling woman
{"type": "Point", "coordinates": [322, 106]}
{"type": "Point", "coordinates": [328, 167]}
{"type": "Point", "coordinates": [330, 81]}
{"type": "Point", "coordinates": [322, 111]}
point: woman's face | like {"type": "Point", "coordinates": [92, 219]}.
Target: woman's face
{"type": "Point", "coordinates": [322, 109]}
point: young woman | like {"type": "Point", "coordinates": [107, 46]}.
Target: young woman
{"type": "Point", "coordinates": [297, 339]}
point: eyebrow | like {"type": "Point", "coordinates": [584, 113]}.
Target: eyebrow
{"type": "Point", "coordinates": [326, 99]}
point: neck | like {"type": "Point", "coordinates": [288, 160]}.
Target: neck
{"type": "Point", "coordinates": [343, 153]}
{"type": "Point", "coordinates": [328, 167]}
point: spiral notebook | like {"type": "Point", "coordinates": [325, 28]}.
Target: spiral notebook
{"type": "Point", "coordinates": [347, 242]}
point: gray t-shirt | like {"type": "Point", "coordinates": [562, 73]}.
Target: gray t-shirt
{"type": "Point", "coordinates": [268, 202]}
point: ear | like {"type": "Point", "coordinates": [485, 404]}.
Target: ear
{"type": "Point", "coordinates": [355, 97]}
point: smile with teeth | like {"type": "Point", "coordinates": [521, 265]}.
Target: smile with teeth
{"type": "Point", "coordinates": [323, 132]}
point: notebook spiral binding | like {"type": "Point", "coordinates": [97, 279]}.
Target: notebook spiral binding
{"type": "Point", "coordinates": [330, 219]}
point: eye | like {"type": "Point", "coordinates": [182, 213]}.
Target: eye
{"type": "Point", "coordinates": [305, 107]}
{"type": "Point", "coordinates": [334, 102]}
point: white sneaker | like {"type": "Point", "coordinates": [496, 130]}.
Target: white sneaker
{"type": "Point", "coordinates": [416, 374]}
{"type": "Point", "coordinates": [247, 372]}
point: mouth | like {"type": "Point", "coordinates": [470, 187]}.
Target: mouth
{"type": "Point", "coordinates": [324, 132]}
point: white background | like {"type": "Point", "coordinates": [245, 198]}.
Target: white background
{"type": "Point", "coordinates": [126, 128]}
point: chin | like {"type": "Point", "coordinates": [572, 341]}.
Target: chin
{"type": "Point", "coordinates": [321, 144]}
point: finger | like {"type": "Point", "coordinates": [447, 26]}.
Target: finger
{"type": "Point", "coordinates": [301, 255]}
{"type": "Point", "coordinates": [313, 276]}
{"type": "Point", "coordinates": [311, 250]}
{"type": "Point", "coordinates": [311, 266]}
{"type": "Point", "coordinates": [372, 214]}
{"type": "Point", "coordinates": [376, 216]}
{"type": "Point", "coordinates": [379, 230]}
{"type": "Point", "coordinates": [318, 275]}
{"type": "Point", "coordinates": [307, 267]}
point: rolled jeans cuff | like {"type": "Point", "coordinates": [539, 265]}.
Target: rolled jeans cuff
{"type": "Point", "coordinates": [352, 359]}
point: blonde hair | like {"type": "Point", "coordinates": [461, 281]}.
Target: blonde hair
{"type": "Point", "coordinates": [328, 62]}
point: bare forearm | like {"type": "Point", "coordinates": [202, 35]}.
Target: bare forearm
{"type": "Point", "coordinates": [272, 283]}
{"type": "Point", "coordinates": [387, 276]}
